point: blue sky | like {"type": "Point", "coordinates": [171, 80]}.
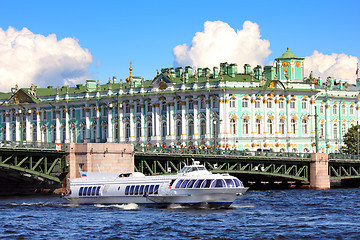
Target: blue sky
{"type": "Point", "coordinates": [146, 32]}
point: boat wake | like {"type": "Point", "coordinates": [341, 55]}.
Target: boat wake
{"type": "Point", "coordinates": [130, 206]}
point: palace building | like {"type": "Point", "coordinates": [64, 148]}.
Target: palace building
{"type": "Point", "coordinates": [274, 107]}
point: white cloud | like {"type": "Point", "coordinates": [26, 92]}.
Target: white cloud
{"type": "Point", "coordinates": [218, 42]}
{"type": "Point", "coordinates": [339, 66]}
{"type": "Point", "coordinates": [27, 58]}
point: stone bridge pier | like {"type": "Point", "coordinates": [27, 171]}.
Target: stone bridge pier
{"type": "Point", "coordinates": [99, 157]}
{"type": "Point", "coordinates": [319, 171]}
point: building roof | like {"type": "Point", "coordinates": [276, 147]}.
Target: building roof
{"type": "Point", "coordinates": [288, 55]}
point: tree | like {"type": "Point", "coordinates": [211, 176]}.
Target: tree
{"type": "Point", "coordinates": [351, 140]}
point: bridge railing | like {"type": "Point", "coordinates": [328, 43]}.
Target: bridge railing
{"type": "Point", "coordinates": [37, 145]}
{"type": "Point", "coordinates": [340, 156]}
{"type": "Point", "coordinates": [209, 151]}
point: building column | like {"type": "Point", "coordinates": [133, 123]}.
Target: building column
{"type": "Point", "coordinates": [226, 121]}
{"type": "Point", "coordinates": [7, 124]}
{"type": "Point", "coordinates": [265, 119]}
{"type": "Point", "coordinates": [196, 121]}
{"type": "Point", "coordinates": [132, 125]}
{"type": "Point", "coordinates": [157, 122]}
{"type": "Point", "coordinates": [38, 126]}
{"type": "Point", "coordinates": [17, 125]}
{"type": "Point", "coordinates": [221, 133]}
{"type": "Point", "coordinates": [121, 126]}
{"type": "Point", "coordinates": [142, 122]}
{"type": "Point", "coordinates": [208, 120]}
{"type": "Point", "coordinates": [313, 124]}
{"type": "Point", "coordinates": [183, 122]}
{"type": "Point", "coordinates": [98, 125]}
{"type": "Point", "coordinates": [328, 124]}
{"type": "Point", "coordinates": [28, 125]}
{"type": "Point", "coordinates": [87, 123]}
{"type": "Point", "coordinates": [57, 126]}
{"type": "Point", "coordinates": [276, 117]}
{"type": "Point", "coordinates": [252, 123]}
{"type": "Point", "coordinates": [110, 125]}
{"type": "Point", "coordinates": [171, 122]}
{"type": "Point", "coordinates": [67, 127]}
{"type": "Point", "coordinates": [288, 122]}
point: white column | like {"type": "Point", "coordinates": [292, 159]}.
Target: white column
{"type": "Point", "coordinates": [171, 121]}
{"type": "Point", "coordinates": [196, 120]}
{"type": "Point", "coordinates": [67, 126]}
{"type": "Point", "coordinates": [132, 125]}
{"type": "Point", "coordinates": [221, 133]}
{"type": "Point", "coordinates": [276, 121]}
{"type": "Point", "coordinates": [87, 122]}
{"type": "Point", "coordinates": [142, 122]}
{"type": "Point", "coordinates": [110, 125]}
{"type": "Point", "coordinates": [98, 125]}
{"type": "Point", "coordinates": [8, 130]}
{"type": "Point", "coordinates": [28, 126]}
{"type": "Point", "coordinates": [153, 121]}
{"type": "Point", "coordinates": [38, 126]}
{"type": "Point", "coordinates": [226, 121]}
{"type": "Point", "coordinates": [208, 119]}
{"type": "Point", "coordinates": [183, 121]}
{"type": "Point", "coordinates": [57, 127]}
{"type": "Point", "coordinates": [17, 125]}
{"type": "Point", "coordinates": [121, 125]}
{"type": "Point", "coordinates": [157, 122]}
{"type": "Point", "coordinates": [265, 118]}
{"type": "Point", "coordinates": [328, 123]}
{"type": "Point", "coordinates": [252, 122]}
{"type": "Point", "coordinates": [288, 118]}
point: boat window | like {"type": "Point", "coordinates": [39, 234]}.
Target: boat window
{"type": "Point", "coordinates": [218, 183]}
{"type": "Point", "coordinates": [238, 183]}
{"type": "Point", "coordinates": [141, 190]}
{"type": "Point", "coordinates": [184, 170]}
{"type": "Point", "coordinates": [136, 190]}
{"type": "Point", "coordinates": [85, 190]}
{"type": "Point", "coordinates": [89, 191]}
{"type": "Point", "coordinates": [178, 183]}
{"type": "Point", "coordinates": [132, 190]}
{"type": "Point", "coordinates": [201, 168]}
{"type": "Point", "coordinates": [183, 185]}
{"type": "Point", "coordinates": [230, 183]}
{"type": "Point", "coordinates": [206, 183]}
{"type": "Point", "coordinates": [197, 184]}
{"type": "Point", "coordinates": [93, 191]}
{"type": "Point", "coordinates": [151, 189]}
{"type": "Point", "coordinates": [127, 190]}
{"type": "Point", "coordinates": [156, 189]}
{"type": "Point", "coordinates": [97, 191]}
{"type": "Point", "coordinates": [191, 183]}
{"type": "Point", "coordinates": [81, 191]}
{"type": "Point", "coordinates": [146, 190]}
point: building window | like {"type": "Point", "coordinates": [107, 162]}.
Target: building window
{"type": "Point", "coordinates": [33, 115]}
{"type": "Point", "coordinates": [202, 104]}
{"type": "Point", "coordinates": [292, 104]}
{"type": "Point", "coordinates": [343, 129]}
{"type": "Point", "coordinates": [63, 135]}
{"type": "Point", "coordinates": [191, 105]}
{"type": "Point", "coordinates": [53, 135]}
{"type": "Point", "coordinates": [94, 111]}
{"type": "Point", "coordinates": [335, 131]}
{"type": "Point", "coordinates": [163, 129]}
{"type": "Point", "coordinates": [138, 130]}
{"type": "Point", "coordinates": [257, 103]}
{"type": "Point", "coordinates": [149, 107]}
{"type": "Point", "coordinates": [245, 103]}
{"type": "Point", "coordinates": [105, 111]}
{"type": "Point", "coordinates": [258, 126]}
{"type": "Point", "coordinates": [191, 128]}
{"type": "Point", "coordinates": [293, 126]}
{"type": "Point", "coordinates": [202, 127]}
{"type": "Point", "coordinates": [163, 108]}
{"type": "Point", "coordinates": [233, 126]}
{"type": "Point", "coordinates": [149, 129]}
{"type": "Point", "coordinates": [304, 104]}
{"type": "Point", "coordinates": [343, 110]}
{"type": "Point", "coordinates": [83, 113]}
{"type": "Point", "coordinates": [270, 126]}
{"type": "Point", "coordinates": [178, 129]}
{"type": "Point", "coordinates": [73, 134]}
{"type": "Point", "coordinates": [178, 105]}
{"type": "Point", "coordinates": [322, 130]}
{"type": "Point", "coordinates": [34, 133]}
{"type": "Point", "coordinates": [282, 126]}
{"type": "Point", "coordinates": [351, 110]}
{"type": "Point", "coordinates": [245, 126]}
{"type": "Point", "coordinates": [304, 126]}
{"type": "Point", "coordinates": [83, 134]}
{"type": "Point", "coordinates": [281, 104]}
{"type": "Point", "coordinates": [335, 112]}
{"type": "Point", "coordinates": [53, 115]}
{"type": "Point", "coordinates": [73, 113]}
{"type": "Point", "coordinates": [127, 130]}
{"type": "Point", "coordinates": [269, 103]}
{"type": "Point", "coordinates": [233, 102]}
{"type": "Point", "coordinates": [138, 108]}
{"type": "Point", "coordinates": [321, 110]}
{"type": "Point", "coordinates": [215, 103]}
{"type": "Point", "coordinates": [93, 134]}
{"type": "Point", "coordinates": [127, 108]}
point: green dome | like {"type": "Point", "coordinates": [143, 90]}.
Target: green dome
{"type": "Point", "coordinates": [287, 55]}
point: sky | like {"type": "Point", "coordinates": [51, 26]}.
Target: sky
{"type": "Point", "coordinates": [67, 42]}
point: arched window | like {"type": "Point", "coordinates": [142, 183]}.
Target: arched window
{"type": "Point", "coordinates": [304, 104]}
{"type": "Point", "coordinates": [321, 110]}
{"type": "Point", "coordinates": [258, 126]}
{"type": "Point", "coordinates": [93, 133]}
{"type": "Point", "coordinates": [178, 129]}
{"type": "Point", "coordinates": [335, 110]}
{"type": "Point", "coordinates": [351, 110]}
{"type": "Point", "coordinates": [53, 135]}
{"type": "Point", "coordinates": [178, 105]}
{"type": "Point", "coordinates": [269, 103]}
{"type": "Point", "coordinates": [233, 102]}
{"type": "Point", "coordinates": [163, 108]}
{"type": "Point", "coordinates": [149, 129]}
{"type": "Point", "coordinates": [343, 129]}
{"type": "Point", "coordinates": [202, 127]}
{"type": "Point", "coordinates": [304, 126]}
{"type": "Point", "coordinates": [293, 126]}
{"type": "Point", "coordinates": [257, 103]}
{"type": "Point", "coordinates": [83, 134]}
{"type": "Point", "coordinates": [163, 129]}
{"type": "Point", "coordinates": [282, 126]}
{"type": "Point", "coordinates": [127, 130]}
{"type": "Point", "coordinates": [233, 126]}
{"type": "Point", "coordinates": [105, 133]}
{"type": "Point", "coordinates": [191, 128]}
{"type": "Point", "coordinates": [138, 130]}
{"type": "Point", "coordinates": [244, 102]}
{"type": "Point", "coordinates": [270, 126]}
{"type": "Point", "coordinates": [63, 135]}
{"type": "Point", "coordinates": [190, 105]}
{"type": "Point", "coordinates": [343, 109]}
{"type": "Point", "coordinates": [322, 130]}
{"type": "Point", "coordinates": [335, 131]}
{"type": "Point", "coordinates": [116, 132]}
{"type": "Point", "coordinates": [245, 126]}
{"type": "Point", "coordinates": [34, 133]}
{"type": "Point", "coordinates": [202, 104]}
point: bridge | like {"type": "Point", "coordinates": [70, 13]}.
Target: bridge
{"type": "Point", "coordinates": [42, 166]}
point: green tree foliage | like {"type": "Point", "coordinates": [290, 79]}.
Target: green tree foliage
{"type": "Point", "coordinates": [351, 140]}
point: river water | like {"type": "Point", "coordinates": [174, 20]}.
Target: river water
{"type": "Point", "coordinates": [283, 214]}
